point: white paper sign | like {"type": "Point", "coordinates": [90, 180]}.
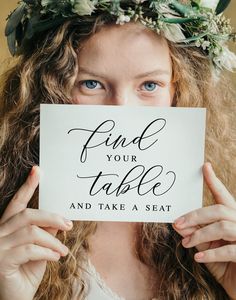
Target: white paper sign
{"type": "Point", "coordinates": [119, 163]}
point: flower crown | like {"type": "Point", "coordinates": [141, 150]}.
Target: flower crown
{"type": "Point", "coordinates": [197, 23]}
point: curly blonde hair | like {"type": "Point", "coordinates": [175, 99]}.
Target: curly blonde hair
{"type": "Point", "coordinates": [46, 73]}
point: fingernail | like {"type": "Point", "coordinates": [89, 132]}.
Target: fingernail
{"type": "Point", "coordinates": [57, 255]}
{"type": "Point", "coordinates": [199, 255]}
{"type": "Point", "coordinates": [210, 166]}
{"type": "Point", "coordinates": [179, 221]}
{"type": "Point", "coordinates": [65, 250]}
{"type": "Point", "coordinates": [68, 223]}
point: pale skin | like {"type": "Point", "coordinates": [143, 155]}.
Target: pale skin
{"type": "Point", "coordinates": [114, 69]}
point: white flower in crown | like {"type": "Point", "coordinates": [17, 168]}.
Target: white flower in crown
{"type": "Point", "coordinates": [202, 43]}
{"type": "Point", "coordinates": [205, 45]}
{"type": "Point", "coordinates": [209, 3]}
{"type": "Point", "coordinates": [226, 59]}
{"type": "Point", "coordinates": [122, 19]}
{"type": "Point", "coordinates": [83, 7]}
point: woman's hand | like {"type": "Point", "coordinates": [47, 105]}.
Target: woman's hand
{"type": "Point", "coordinates": [27, 242]}
{"type": "Point", "coordinates": [212, 230]}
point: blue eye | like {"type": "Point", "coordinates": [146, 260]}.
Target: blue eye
{"type": "Point", "coordinates": [150, 86]}
{"type": "Point", "coordinates": [91, 84]}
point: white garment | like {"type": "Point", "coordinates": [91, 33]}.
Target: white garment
{"type": "Point", "coordinates": [97, 288]}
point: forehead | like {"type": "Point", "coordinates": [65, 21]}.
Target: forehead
{"type": "Point", "coordinates": [125, 46]}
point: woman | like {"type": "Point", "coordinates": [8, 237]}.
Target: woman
{"type": "Point", "coordinates": [91, 59]}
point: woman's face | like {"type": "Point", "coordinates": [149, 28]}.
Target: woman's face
{"type": "Point", "coordinates": [124, 65]}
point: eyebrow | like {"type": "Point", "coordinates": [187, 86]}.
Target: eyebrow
{"type": "Point", "coordinates": [154, 72]}
{"type": "Point", "coordinates": [146, 74]}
